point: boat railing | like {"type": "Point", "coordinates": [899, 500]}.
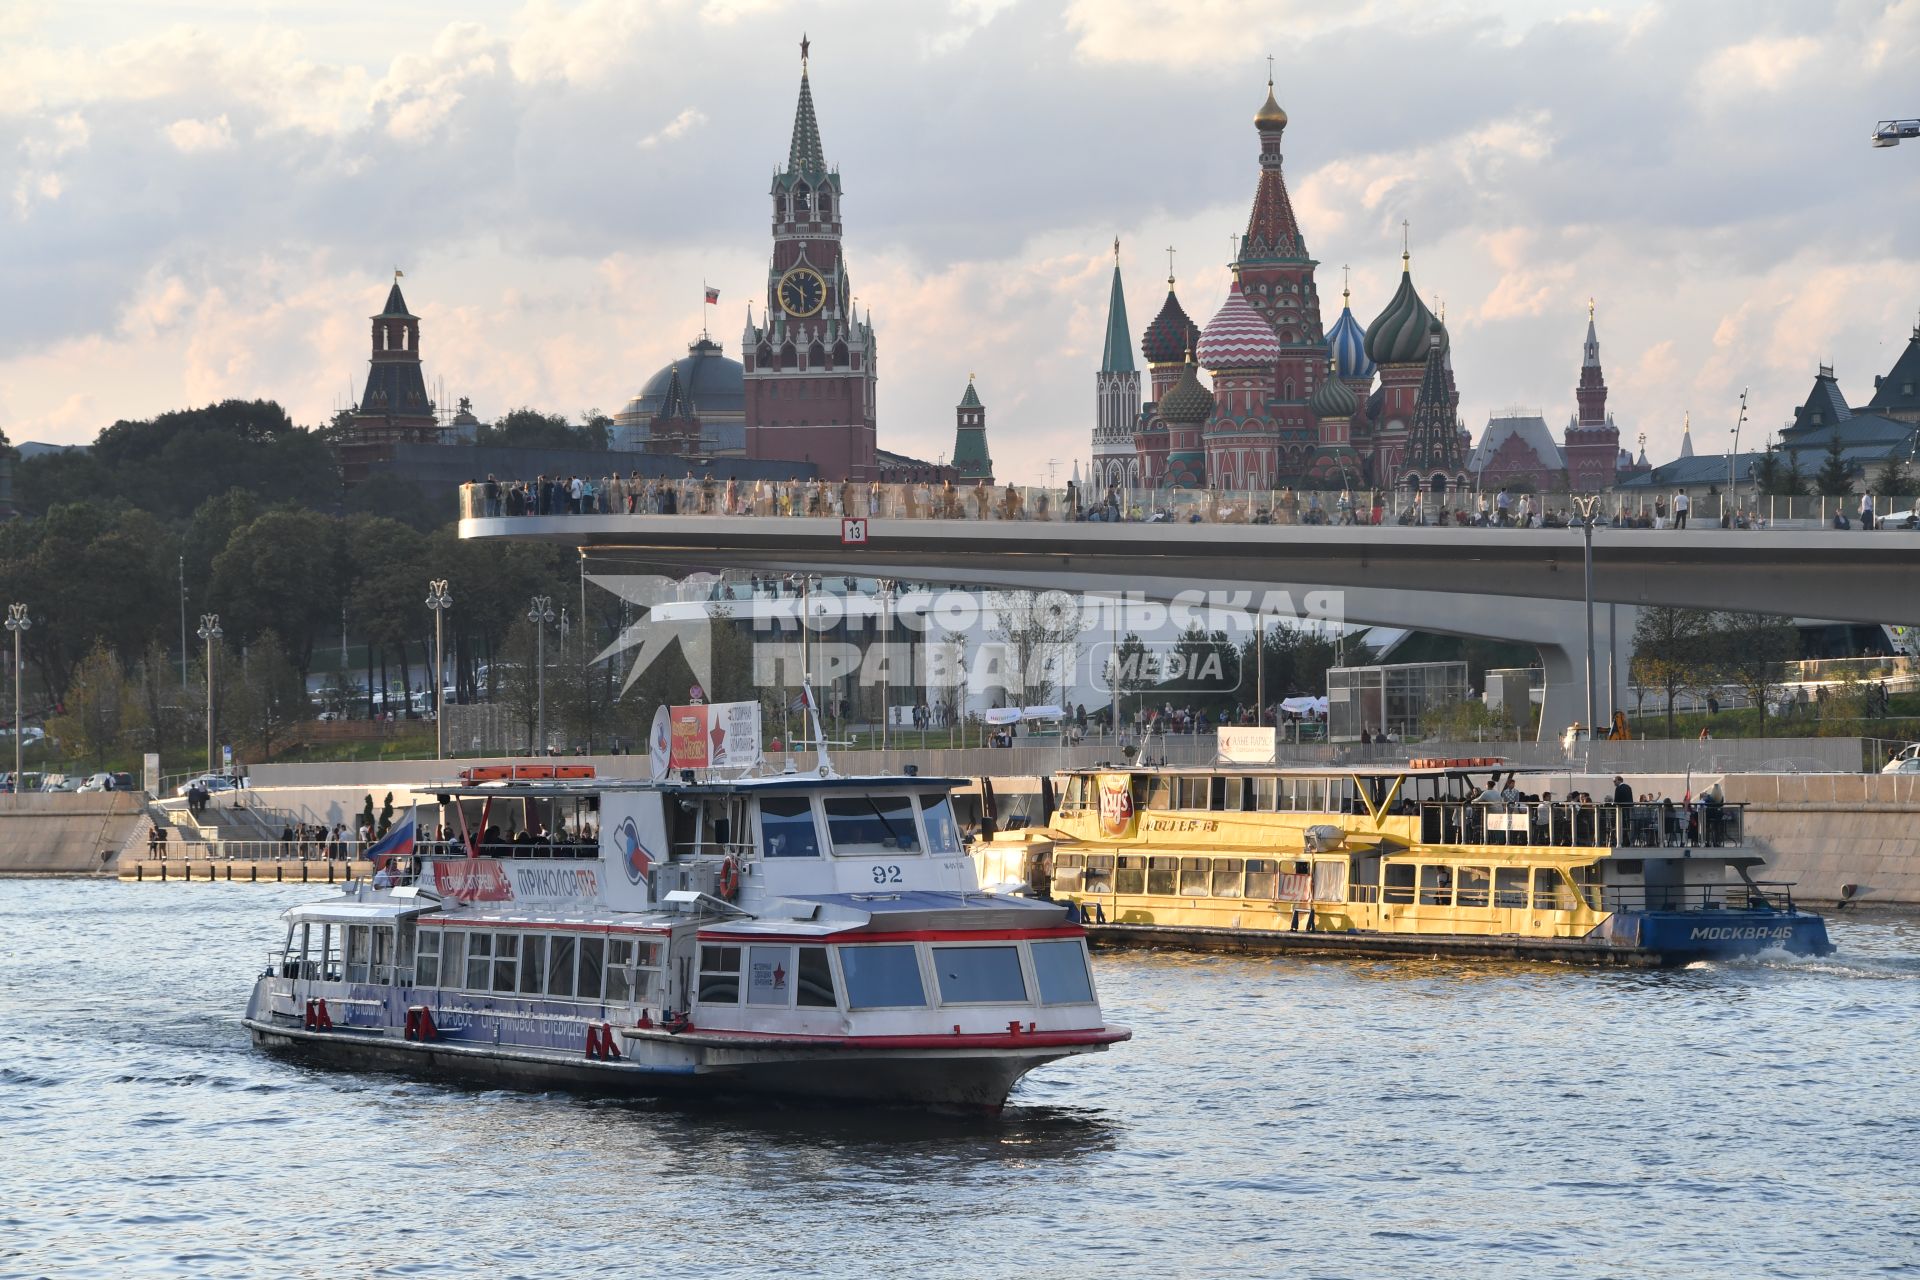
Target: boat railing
{"type": "Point", "coordinates": [1738, 895]}
{"type": "Point", "coordinates": [1565, 824]}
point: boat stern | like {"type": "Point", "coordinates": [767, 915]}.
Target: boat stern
{"type": "Point", "coordinates": [1678, 937]}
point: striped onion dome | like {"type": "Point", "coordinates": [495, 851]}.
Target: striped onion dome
{"type": "Point", "coordinates": [1238, 337]}
{"type": "Point", "coordinates": [1348, 342]}
{"type": "Point", "coordinates": [1171, 335]}
{"type": "Point", "coordinates": [1187, 402]}
{"type": "Point", "coordinates": [1398, 335]}
{"type": "Point", "coordinates": [1333, 398]}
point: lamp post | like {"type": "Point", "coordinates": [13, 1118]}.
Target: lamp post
{"type": "Point", "coordinates": [1737, 424]}
{"type": "Point", "coordinates": [886, 588]}
{"type": "Point", "coordinates": [1888, 133]}
{"type": "Point", "coordinates": [210, 631]}
{"type": "Point", "coordinates": [541, 615]}
{"type": "Point", "coordinates": [438, 600]}
{"type": "Point", "coordinates": [17, 622]}
{"type": "Point", "coordinates": [1587, 506]}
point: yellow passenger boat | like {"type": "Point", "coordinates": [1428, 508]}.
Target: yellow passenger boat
{"type": "Point", "coordinates": [1430, 858]}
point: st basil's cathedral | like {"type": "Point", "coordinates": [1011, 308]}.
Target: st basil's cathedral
{"type": "Point", "coordinates": [1287, 401]}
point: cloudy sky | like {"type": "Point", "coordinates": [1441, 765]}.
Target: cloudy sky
{"type": "Point", "coordinates": [205, 199]}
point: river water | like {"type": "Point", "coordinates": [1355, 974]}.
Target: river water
{"type": "Point", "coordinates": [1279, 1117]}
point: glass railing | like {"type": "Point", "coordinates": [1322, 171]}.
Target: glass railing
{"type": "Point", "coordinates": [614, 496]}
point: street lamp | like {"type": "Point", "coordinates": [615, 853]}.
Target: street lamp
{"type": "Point", "coordinates": [541, 615]}
{"type": "Point", "coordinates": [17, 622]}
{"type": "Point", "coordinates": [210, 631]}
{"type": "Point", "coordinates": [886, 588]}
{"type": "Point", "coordinates": [1889, 132]}
{"type": "Point", "coordinates": [1587, 506]}
{"type": "Point", "coordinates": [438, 600]}
{"type": "Point", "coordinates": [1737, 424]}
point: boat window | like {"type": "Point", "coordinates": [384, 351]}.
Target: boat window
{"type": "Point", "coordinates": [506, 952]}
{"type": "Point", "coordinates": [1061, 970]}
{"type": "Point", "coordinates": [359, 947]}
{"type": "Point", "coordinates": [1436, 885]}
{"type": "Point", "coordinates": [1218, 791]}
{"type": "Point", "coordinates": [1227, 877]}
{"type": "Point", "coordinates": [1340, 795]}
{"type": "Point", "coordinates": [1399, 885]}
{"type": "Point", "coordinates": [1550, 893]}
{"type": "Point", "coordinates": [813, 980]}
{"type": "Point", "coordinates": [561, 951]}
{"type": "Point", "coordinates": [1194, 876]}
{"type": "Point", "coordinates": [1473, 886]}
{"type": "Point", "coordinates": [453, 956]}
{"type": "Point", "coordinates": [1191, 793]}
{"type": "Point", "coordinates": [1075, 798]}
{"type": "Point", "coordinates": [786, 827]}
{"type": "Point", "coordinates": [619, 970]}
{"type": "Point", "coordinates": [719, 975]}
{"type": "Point", "coordinates": [533, 963]}
{"type": "Point", "coordinates": [1629, 866]}
{"type": "Point", "coordinates": [1099, 876]}
{"type": "Point", "coordinates": [1159, 792]}
{"type": "Point", "coordinates": [979, 975]}
{"type": "Point", "coordinates": [426, 959]}
{"type": "Point", "coordinates": [871, 824]}
{"type": "Point", "coordinates": [1131, 876]}
{"type": "Point", "coordinates": [943, 834]}
{"type": "Point", "coordinates": [1586, 880]}
{"type": "Point", "coordinates": [1330, 880]}
{"type": "Point", "coordinates": [382, 970]}
{"type": "Point", "coordinates": [882, 977]}
{"type": "Point", "coordinates": [592, 959]}
{"type": "Point", "coordinates": [1263, 878]}
{"type": "Point", "coordinates": [479, 961]}
{"type": "Point", "coordinates": [1316, 795]}
{"type": "Point", "coordinates": [769, 975]}
{"type": "Point", "coordinates": [1266, 794]}
{"type": "Point", "coordinates": [1509, 886]}
{"type": "Point", "coordinates": [1161, 873]}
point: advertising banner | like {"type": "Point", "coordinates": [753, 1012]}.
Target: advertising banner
{"type": "Point", "coordinates": [1245, 744]}
{"type": "Point", "coordinates": [720, 735]}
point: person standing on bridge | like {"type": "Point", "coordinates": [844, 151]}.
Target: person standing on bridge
{"type": "Point", "coordinates": [1681, 505]}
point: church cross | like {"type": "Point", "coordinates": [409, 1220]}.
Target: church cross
{"type": "Point", "coordinates": [1169, 264]}
{"type": "Point", "coordinates": [1269, 71]}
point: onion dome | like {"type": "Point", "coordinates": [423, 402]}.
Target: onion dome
{"type": "Point", "coordinates": [1238, 337]}
{"type": "Point", "coordinates": [1333, 398]}
{"type": "Point", "coordinates": [1348, 342]}
{"type": "Point", "coordinates": [1187, 402]}
{"type": "Point", "coordinates": [1270, 116]}
{"type": "Point", "coordinates": [1171, 335]}
{"type": "Point", "coordinates": [1398, 335]}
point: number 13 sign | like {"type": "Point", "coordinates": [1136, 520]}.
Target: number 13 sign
{"type": "Point", "coordinates": [853, 531]}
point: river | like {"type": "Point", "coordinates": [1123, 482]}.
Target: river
{"type": "Point", "coordinates": [1271, 1117]}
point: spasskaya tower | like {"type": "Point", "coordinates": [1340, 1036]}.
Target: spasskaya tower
{"type": "Point", "coordinates": [810, 362]}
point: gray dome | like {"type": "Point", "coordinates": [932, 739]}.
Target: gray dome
{"type": "Point", "coordinates": [715, 384]}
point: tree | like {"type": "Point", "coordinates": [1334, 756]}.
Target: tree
{"type": "Point", "coordinates": [269, 696]}
{"type": "Point", "coordinates": [527, 428]}
{"type": "Point", "coordinates": [1834, 479]}
{"type": "Point", "coordinates": [1894, 480]}
{"type": "Point", "coordinates": [280, 573]}
{"type": "Point", "coordinates": [1749, 650]}
{"type": "Point", "coordinates": [97, 706]}
{"type": "Point", "coordinates": [1039, 633]}
{"type": "Point", "coordinates": [1125, 670]}
{"type": "Point", "coordinates": [1777, 475]}
{"type": "Point", "coordinates": [1672, 651]}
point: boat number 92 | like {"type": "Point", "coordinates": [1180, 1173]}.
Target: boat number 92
{"type": "Point", "coordinates": [886, 875]}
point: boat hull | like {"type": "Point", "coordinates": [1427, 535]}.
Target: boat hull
{"type": "Point", "coordinates": [957, 1079]}
{"type": "Point", "coordinates": [1631, 940]}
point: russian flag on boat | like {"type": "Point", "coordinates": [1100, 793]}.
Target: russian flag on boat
{"type": "Point", "coordinates": [397, 843]}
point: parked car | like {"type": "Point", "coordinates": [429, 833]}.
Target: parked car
{"type": "Point", "coordinates": [97, 782]}
{"type": "Point", "coordinates": [1907, 761]}
{"type": "Point", "coordinates": [60, 782]}
{"type": "Point", "coordinates": [209, 782]}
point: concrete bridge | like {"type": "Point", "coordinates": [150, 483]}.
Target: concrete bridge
{"type": "Point", "coordinates": [1523, 585]}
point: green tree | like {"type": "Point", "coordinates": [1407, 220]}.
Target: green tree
{"type": "Point", "coordinates": [270, 697]}
{"type": "Point", "coordinates": [97, 707]}
{"type": "Point", "coordinates": [280, 573]}
{"type": "Point", "coordinates": [1672, 652]}
{"type": "Point", "coordinates": [527, 428]}
{"type": "Point", "coordinates": [165, 709]}
{"type": "Point", "coordinates": [91, 575]}
{"type": "Point", "coordinates": [1777, 475]}
{"type": "Point", "coordinates": [1039, 634]}
{"type": "Point", "coordinates": [1894, 479]}
{"type": "Point", "coordinates": [1126, 669]}
{"type": "Point", "coordinates": [1834, 479]}
{"type": "Point", "coordinates": [1749, 651]}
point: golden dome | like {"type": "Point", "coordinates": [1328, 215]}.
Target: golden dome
{"type": "Point", "coordinates": [1270, 114]}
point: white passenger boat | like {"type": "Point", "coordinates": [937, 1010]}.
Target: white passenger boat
{"type": "Point", "coordinates": [796, 935]}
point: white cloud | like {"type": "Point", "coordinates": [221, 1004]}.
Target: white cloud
{"type": "Point", "coordinates": [189, 135]}
{"type": "Point", "coordinates": [689, 119]}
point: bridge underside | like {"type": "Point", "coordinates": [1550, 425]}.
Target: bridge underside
{"type": "Point", "coordinates": [1524, 586]}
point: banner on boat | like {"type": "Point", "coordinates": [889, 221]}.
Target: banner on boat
{"type": "Point", "coordinates": [1245, 744]}
{"type": "Point", "coordinates": [719, 735]}
{"type": "Point", "coordinates": [1116, 804]}
{"type": "Point", "coordinates": [471, 880]}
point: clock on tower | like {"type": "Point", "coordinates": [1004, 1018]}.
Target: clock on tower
{"type": "Point", "coordinates": [810, 362]}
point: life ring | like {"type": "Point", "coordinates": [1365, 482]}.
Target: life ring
{"type": "Point", "coordinates": [728, 882]}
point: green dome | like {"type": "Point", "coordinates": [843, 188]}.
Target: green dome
{"type": "Point", "coordinates": [1398, 335]}
{"type": "Point", "coordinates": [1186, 401]}
{"type": "Point", "coordinates": [1333, 399]}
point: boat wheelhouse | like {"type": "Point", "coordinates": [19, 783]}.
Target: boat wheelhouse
{"type": "Point", "coordinates": [798, 935]}
{"type": "Point", "coordinates": [1442, 857]}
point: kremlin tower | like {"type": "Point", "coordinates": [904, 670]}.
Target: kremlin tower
{"type": "Point", "coordinates": [1593, 443]}
{"type": "Point", "coordinates": [1116, 397]}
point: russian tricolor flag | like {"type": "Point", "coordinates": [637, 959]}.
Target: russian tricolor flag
{"type": "Point", "coordinates": [397, 843]}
